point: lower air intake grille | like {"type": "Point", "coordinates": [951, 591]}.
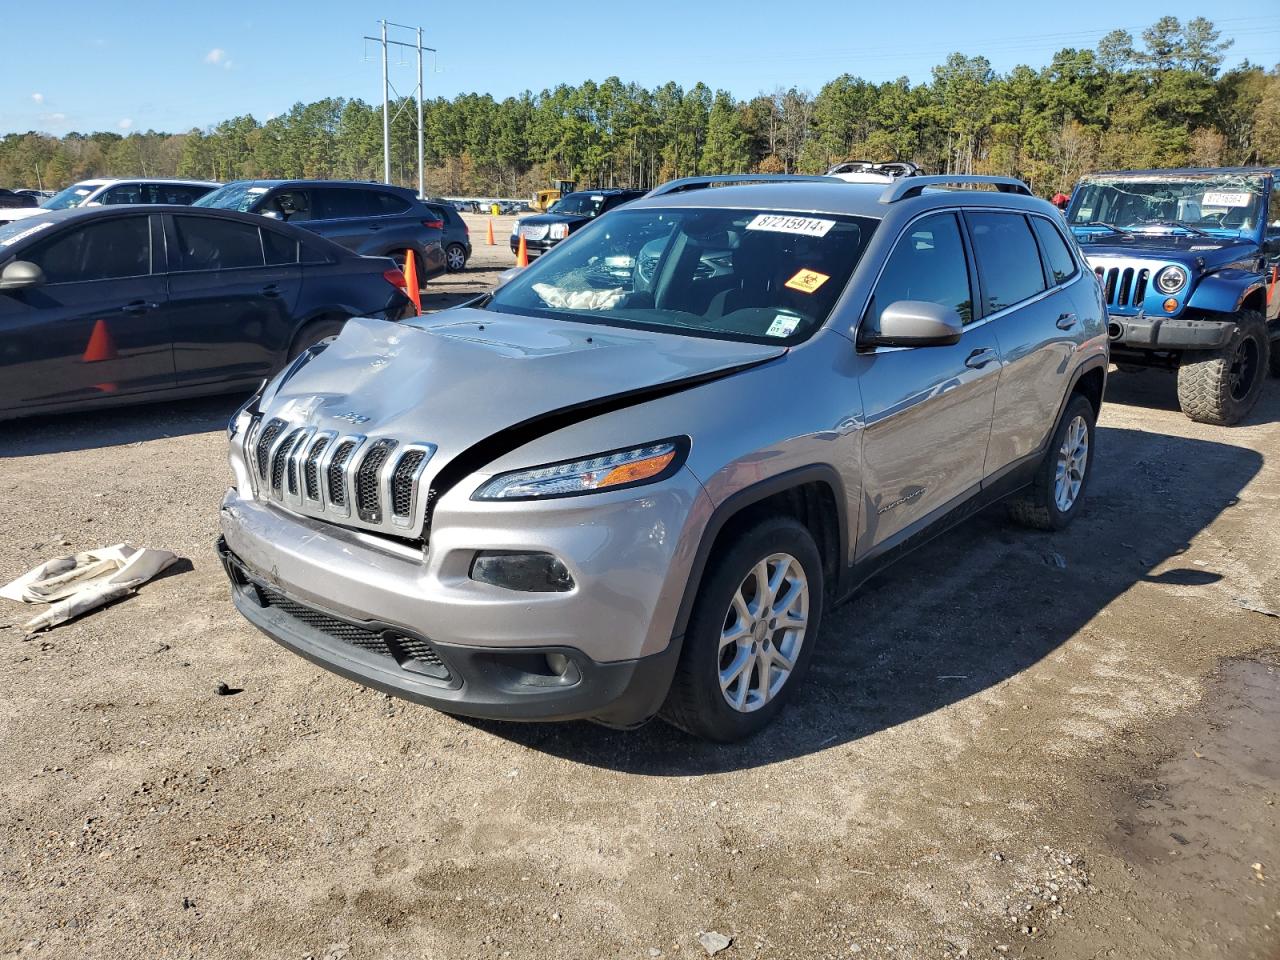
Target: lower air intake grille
{"type": "Point", "coordinates": [413, 653]}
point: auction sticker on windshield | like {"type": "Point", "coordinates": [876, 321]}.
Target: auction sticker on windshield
{"type": "Point", "coordinates": [781, 223]}
{"type": "Point", "coordinates": [1218, 198]}
{"type": "Point", "coordinates": [782, 326]}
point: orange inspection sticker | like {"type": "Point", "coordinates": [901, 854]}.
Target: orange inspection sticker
{"type": "Point", "coordinates": [807, 281]}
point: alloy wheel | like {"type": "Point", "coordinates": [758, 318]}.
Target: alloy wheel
{"type": "Point", "coordinates": [1244, 368]}
{"type": "Point", "coordinates": [457, 258]}
{"type": "Point", "coordinates": [1073, 461]}
{"type": "Point", "coordinates": [764, 629]}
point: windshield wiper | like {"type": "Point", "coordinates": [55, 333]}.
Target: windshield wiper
{"type": "Point", "coordinates": [1176, 226]}
{"type": "Point", "coordinates": [1098, 223]}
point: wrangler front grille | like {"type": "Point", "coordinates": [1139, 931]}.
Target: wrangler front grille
{"type": "Point", "coordinates": [1123, 286]}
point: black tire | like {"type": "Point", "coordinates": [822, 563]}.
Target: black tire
{"type": "Point", "coordinates": [313, 333]}
{"type": "Point", "coordinates": [455, 257]}
{"type": "Point", "coordinates": [1222, 386]}
{"type": "Point", "coordinates": [1037, 506]}
{"type": "Point", "coordinates": [1274, 363]}
{"type": "Point", "coordinates": [696, 703]}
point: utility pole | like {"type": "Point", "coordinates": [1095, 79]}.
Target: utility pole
{"type": "Point", "coordinates": [387, 89]}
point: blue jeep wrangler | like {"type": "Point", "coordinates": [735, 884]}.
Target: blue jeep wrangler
{"type": "Point", "coordinates": [1188, 268]}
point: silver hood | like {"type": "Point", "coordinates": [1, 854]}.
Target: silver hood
{"type": "Point", "coordinates": [469, 385]}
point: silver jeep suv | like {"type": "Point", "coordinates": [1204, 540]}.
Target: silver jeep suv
{"type": "Point", "coordinates": [630, 481]}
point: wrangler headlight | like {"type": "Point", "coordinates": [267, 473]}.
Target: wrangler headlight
{"type": "Point", "coordinates": [1171, 279]}
{"type": "Point", "coordinates": [607, 471]}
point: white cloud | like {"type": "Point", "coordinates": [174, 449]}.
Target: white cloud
{"type": "Point", "coordinates": [218, 58]}
{"type": "Point", "coordinates": [125, 123]}
{"type": "Point", "coordinates": [56, 117]}
{"type": "Point", "coordinates": [38, 97]}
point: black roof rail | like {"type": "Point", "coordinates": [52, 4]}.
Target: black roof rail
{"type": "Point", "coordinates": [729, 179]}
{"type": "Point", "coordinates": [914, 186]}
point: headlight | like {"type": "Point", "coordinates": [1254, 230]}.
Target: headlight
{"type": "Point", "coordinates": [515, 228]}
{"type": "Point", "coordinates": [244, 416]}
{"type": "Point", "coordinates": [607, 471]}
{"type": "Point", "coordinates": [1171, 279]}
{"type": "Point", "coordinates": [558, 231]}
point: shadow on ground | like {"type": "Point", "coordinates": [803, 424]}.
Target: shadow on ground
{"type": "Point", "coordinates": [964, 613]}
{"type": "Point", "coordinates": [115, 426]}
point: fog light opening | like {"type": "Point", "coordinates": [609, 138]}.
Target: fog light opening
{"type": "Point", "coordinates": [525, 571]}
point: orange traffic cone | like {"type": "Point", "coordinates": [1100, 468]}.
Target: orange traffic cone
{"type": "Point", "coordinates": [101, 347]}
{"type": "Point", "coordinates": [1275, 275]}
{"type": "Point", "coordinates": [491, 231]}
{"type": "Point", "coordinates": [522, 253]}
{"type": "Point", "coordinates": [411, 279]}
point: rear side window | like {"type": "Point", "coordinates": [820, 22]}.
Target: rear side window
{"type": "Point", "coordinates": [340, 204]}
{"type": "Point", "coordinates": [124, 193]}
{"type": "Point", "coordinates": [1062, 265]}
{"type": "Point", "coordinates": [1008, 258]}
{"type": "Point", "coordinates": [107, 250]}
{"type": "Point", "coordinates": [929, 264]}
{"type": "Point", "coordinates": [208, 244]}
{"type": "Point", "coordinates": [389, 203]}
{"type": "Point", "coordinates": [279, 248]}
{"type": "Point", "coordinates": [172, 193]}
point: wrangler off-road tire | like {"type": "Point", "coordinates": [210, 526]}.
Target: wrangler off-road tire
{"type": "Point", "coordinates": [1222, 386]}
{"type": "Point", "coordinates": [1040, 505]}
{"type": "Point", "coordinates": [698, 702]}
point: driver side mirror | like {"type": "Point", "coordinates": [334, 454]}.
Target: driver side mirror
{"type": "Point", "coordinates": [21, 274]}
{"type": "Point", "coordinates": [917, 323]}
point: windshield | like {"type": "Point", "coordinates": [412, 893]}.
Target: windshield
{"type": "Point", "coordinates": [579, 205]}
{"type": "Point", "coordinates": [73, 196]}
{"type": "Point", "coordinates": [756, 276]}
{"type": "Point", "coordinates": [233, 196]}
{"type": "Point", "coordinates": [1218, 203]}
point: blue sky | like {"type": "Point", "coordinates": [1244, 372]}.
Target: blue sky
{"type": "Point", "coordinates": [171, 66]}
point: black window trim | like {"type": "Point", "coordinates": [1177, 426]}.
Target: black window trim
{"type": "Point", "coordinates": [1044, 256]}
{"type": "Point", "coordinates": [75, 224]}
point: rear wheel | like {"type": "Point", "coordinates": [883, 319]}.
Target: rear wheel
{"type": "Point", "coordinates": [1222, 386]}
{"type": "Point", "coordinates": [313, 333]}
{"type": "Point", "coordinates": [1053, 499]}
{"type": "Point", "coordinates": [455, 257]}
{"type": "Point", "coordinates": [751, 633]}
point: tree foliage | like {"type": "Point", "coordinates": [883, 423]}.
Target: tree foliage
{"type": "Point", "coordinates": [1162, 103]}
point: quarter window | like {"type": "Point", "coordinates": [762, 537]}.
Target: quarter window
{"type": "Point", "coordinates": [107, 250]}
{"type": "Point", "coordinates": [391, 204]}
{"type": "Point", "coordinates": [929, 264]}
{"type": "Point", "coordinates": [279, 248]}
{"type": "Point", "coordinates": [1008, 259]}
{"type": "Point", "coordinates": [208, 244]}
{"type": "Point", "coordinates": [1062, 265]}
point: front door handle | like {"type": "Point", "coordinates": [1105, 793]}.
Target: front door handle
{"type": "Point", "coordinates": [1066, 321]}
{"type": "Point", "coordinates": [980, 358]}
{"type": "Point", "coordinates": [138, 306]}
{"type": "Point", "coordinates": [271, 290]}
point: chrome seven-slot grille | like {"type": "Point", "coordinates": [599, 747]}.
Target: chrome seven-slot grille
{"type": "Point", "coordinates": [370, 483]}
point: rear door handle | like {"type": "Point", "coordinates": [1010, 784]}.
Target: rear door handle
{"type": "Point", "coordinates": [138, 306]}
{"type": "Point", "coordinates": [980, 358]}
{"type": "Point", "coordinates": [1066, 321]}
{"type": "Point", "coordinates": [271, 290]}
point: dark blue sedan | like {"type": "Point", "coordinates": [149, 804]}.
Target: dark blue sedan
{"type": "Point", "coordinates": [139, 303]}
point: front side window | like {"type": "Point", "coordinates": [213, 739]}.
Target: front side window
{"type": "Point", "coordinates": [1008, 259]}
{"type": "Point", "coordinates": [204, 243]}
{"type": "Point", "coordinates": [1061, 264]}
{"type": "Point", "coordinates": [103, 250]}
{"type": "Point", "coordinates": [928, 263]}
{"type": "Point", "coordinates": [279, 248]}
{"type": "Point", "coordinates": [751, 275]}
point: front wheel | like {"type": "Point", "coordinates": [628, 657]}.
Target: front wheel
{"type": "Point", "coordinates": [751, 633]}
{"type": "Point", "coordinates": [1054, 497]}
{"type": "Point", "coordinates": [1222, 386]}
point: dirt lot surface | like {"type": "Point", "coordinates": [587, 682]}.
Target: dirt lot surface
{"type": "Point", "coordinates": [1012, 744]}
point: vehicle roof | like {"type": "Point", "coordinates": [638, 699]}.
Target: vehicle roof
{"type": "Point", "coordinates": [608, 190]}
{"type": "Point", "coordinates": [108, 181]}
{"type": "Point", "coordinates": [303, 182]}
{"type": "Point", "coordinates": [855, 199]}
{"type": "Point", "coordinates": [1180, 171]}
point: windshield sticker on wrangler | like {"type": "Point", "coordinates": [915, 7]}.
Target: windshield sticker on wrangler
{"type": "Point", "coordinates": [1218, 198]}
{"type": "Point", "coordinates": [805, 226]}
{"type": "Point", "coordinates": [806, 280]}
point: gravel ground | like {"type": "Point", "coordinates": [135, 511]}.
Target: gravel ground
{"type": "Point", "coordinates": [1012, 744]}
